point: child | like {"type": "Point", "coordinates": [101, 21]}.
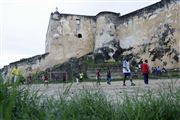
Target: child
{"type": "Point", "coordinates": [81, 75]}
{"type": "Point", "coordinates": [109, 77]}
{"type": "Point", "coordinates": [45, 78]}
{"type": "Point", "coordinates": [77, 78]}
{"type": "Point", "coordinates": [29, 79]}
{"type": "Point", "coordinates": [98, 77]}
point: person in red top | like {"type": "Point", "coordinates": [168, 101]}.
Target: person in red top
{"type": "Point", "coordinates": [45, 78]}
{"type": "Point", "coordinates": [98, 77]}
{"type": "Point", "coordinates": [145, 71]}
{"type": "Point", "coordinates": [29, 79]}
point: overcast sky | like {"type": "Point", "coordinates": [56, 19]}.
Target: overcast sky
{"type": "Point", "coordinates": [23, 23]}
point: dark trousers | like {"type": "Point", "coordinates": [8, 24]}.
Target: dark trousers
{"type": "Point", "coordinates": [98, 80]}
{"type": "Point", "coordinates": [145, 78]}
{"type": "Point", "coordinates": [108, 79]}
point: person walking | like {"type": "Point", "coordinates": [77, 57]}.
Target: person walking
{"type": "Point", "coordinates": [29, 79]}
{"type": "Point", "coordinates": [98, 77]}
{"type": "Point", "coordinates": [15, 74]}
{"type": "Point", "coordinates": [77, 78]}
{"type": "Point", "coordinates": [81, 76]}
{"type": "Point", "coordinates": [45, 79]}
{"type": "Point", "coordinates": [127, 72]}
{"type": "Point", "coordinates": [145, 71]}
{"type": "Point", "coordinates": [158, 71]}
{"type": "Point", "coordinates": [109, 76]}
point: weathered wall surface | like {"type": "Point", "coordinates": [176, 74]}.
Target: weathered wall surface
{"type": "Point", "coordinates": [153, 34]}
{"type": "Point", "coordinates": [26, 66]}
{"type": "Point", "coordinates": [106, 36]}
{"type": "Point", "coordinates": [69, 36]}
{"type": "Point", "coordinates": [105, 29]}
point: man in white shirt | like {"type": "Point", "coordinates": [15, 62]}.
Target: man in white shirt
{"type": "Point", "coordinates": [127, 72]}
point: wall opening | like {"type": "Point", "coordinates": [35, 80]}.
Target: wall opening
{"type": "Point", "coordinates": [79, 35]}
{"type": "Point", "coordinates": [78, 21]}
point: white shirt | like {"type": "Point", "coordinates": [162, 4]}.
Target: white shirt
{"type": "Point", "coordinates": [126, 67]}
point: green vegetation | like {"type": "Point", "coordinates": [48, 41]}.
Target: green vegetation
{"type": "Point", "coordinates": [18, 103]}
{"type": "Point", "coordinates": [37, 77]}
{"type": "Point", "coordinates": [136, 76]}
{"type": "Point", "coordinates": [164, 75]}
{"type": "Point", "coordinates": [168, 75]}
{"type": "Point", "coordinates": [104, 64]}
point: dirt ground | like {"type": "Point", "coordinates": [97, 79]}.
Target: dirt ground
{"type": "Point", "coordinates": [111, 91]}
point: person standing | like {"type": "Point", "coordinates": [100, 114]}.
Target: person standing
{"type": "Point", "coordinates": [145, 71]}
{"type": "Point", "coordinates": [109, 76]}
{"type": "Point", "coordinates": [15, 73]}
{"type": "Point", "coordinates": [158, 71]}
{"type": "Point", "coordinates": [98, 77]}
{"type": "Point", "coordinates": [77, 78]}
{"type": "Point", "coordinates": [81, 76]}
{"type": "Point", "coordinates": [45, 78]}
{"type": "Point", "coordinates": [127, 72]}
{"type": "Point", "coordinates": [29, 79]}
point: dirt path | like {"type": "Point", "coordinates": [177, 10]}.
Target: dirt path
{"type": "Point", "coordinates": [115, 89]}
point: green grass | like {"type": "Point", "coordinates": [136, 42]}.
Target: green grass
{"type": "Point", "coordinates": [19, 104]}
{"type": "Point", "coordinates": [91, 64]}
{"type": "Point", "coordinates": [167, 75]}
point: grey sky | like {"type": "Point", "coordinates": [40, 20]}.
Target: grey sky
{"type": "Point", "coordinates": [23, 23]}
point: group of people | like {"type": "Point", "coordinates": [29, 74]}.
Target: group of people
{"type": "Point", "coordinates": [16, 73]}
{"type": "Point", "coordinates": [44, 78]}
{"type": "Point", "coordinates": [158, 70]}
{"type": "Point", "coordinates": [98, 76]}
{"type": "Point", "coordinates": [143, 66]}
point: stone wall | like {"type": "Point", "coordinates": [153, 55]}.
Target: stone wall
{"type": "Point", "coordinates": [106, 23]}
{"type": "Point", "coordinates": [69, 36]}
{"type": "Point", "coordinates": [28, 65]}
{"type": "Point", "coordinates": [151, 33]}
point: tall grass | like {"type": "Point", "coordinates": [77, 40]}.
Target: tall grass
{"type": "Point", "coordinates": [20, 104]}
{"type": "Point", "coordinates": [163, 105]}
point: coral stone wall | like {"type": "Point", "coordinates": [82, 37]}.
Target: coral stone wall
{"type": "Point", "coordinates": [153, 33]}
{"type": "Point", "coordinates": [70, 36]}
